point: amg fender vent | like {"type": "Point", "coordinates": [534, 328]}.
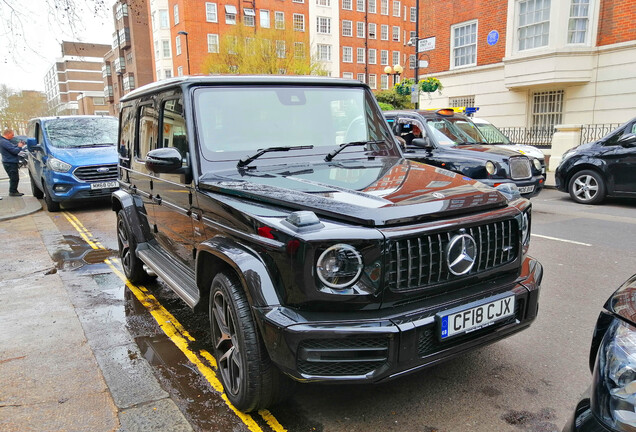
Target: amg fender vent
{"type": "Point", "coordinates": [342, 357]}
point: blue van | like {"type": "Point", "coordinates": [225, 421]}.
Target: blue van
{"type": "Point", "coordinates": [72, 158]}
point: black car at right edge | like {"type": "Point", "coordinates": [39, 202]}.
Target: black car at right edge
{"type": "Point", "coordinates": [603, 168]}
{"type": "Point", "coordinates": [610, 403]}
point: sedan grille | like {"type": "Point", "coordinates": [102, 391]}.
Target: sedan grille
{"type": "Point", "coordinates": [96, 173]}
{"type": "Point", "coordinates": [520, 168]}
{"type": "Point", "coordinates": [421, 261]}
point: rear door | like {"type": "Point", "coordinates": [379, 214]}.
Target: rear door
{"type": "Point", "coordinates": [621, 163]}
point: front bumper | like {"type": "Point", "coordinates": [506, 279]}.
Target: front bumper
{"type": "Point", "coordinates": [583, 420]}
{"type": "Point", "coordinates": [535, 183]}
{"type": "Point", "coordinates": [339, 347]}
{"type": "Point", "coordinates": [65, 187]}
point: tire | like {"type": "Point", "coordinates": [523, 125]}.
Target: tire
{"type": "Point", "coordinates": [37, 192]}
{"type": "Point", "coordinates": [52, 206]}
{"type": "Point", "coordinates": [587, 187]}
{"type": "Point", "coordinates": [132, 265]}
{"type": "Point", "coordinates": [250, 380]}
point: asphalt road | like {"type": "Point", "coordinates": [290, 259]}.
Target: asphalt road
{"type": "Point", "coordinates": [529, 382]}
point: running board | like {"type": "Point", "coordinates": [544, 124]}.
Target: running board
{"type": "Point", "coordinates": [178, 278]}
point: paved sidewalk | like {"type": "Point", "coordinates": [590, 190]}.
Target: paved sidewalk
{"type": "Point", "coordinates": [15, 207]}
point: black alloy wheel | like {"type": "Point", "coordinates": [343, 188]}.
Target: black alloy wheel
{"type": "Point", "coordinates": [250, 380]}
{"type": "Point", "coordinates": [132, 265]}
{"type": "Point", "coordinates": [587, 187]}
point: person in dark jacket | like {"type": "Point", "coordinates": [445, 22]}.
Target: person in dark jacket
{"type": "Point", "coordinates": [10, 160]}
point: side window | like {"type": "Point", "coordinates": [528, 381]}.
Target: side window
{"type": "Point", "coordinates": [39, 136]}
{"type": "Point", "coordinates": [126, 134]}
{"type": "Point", "coordinates": [173, 131]}
{"type": "Point", "coordinates": [634, 128]}
{"type": "Point", "coordinates": [147, 127]}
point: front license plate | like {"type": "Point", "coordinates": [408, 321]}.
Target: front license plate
{"type": "Point", "coordinates": [526, 189]}
{"type": "Point", "coordinates": [468, 318]}
{"type": "Point", "coordinates": [104, 185]}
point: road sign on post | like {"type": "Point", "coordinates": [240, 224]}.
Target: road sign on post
{"type": "Point", "coordinates": [414, 93]}
{"type": "Point", "coordinates": [427, 44]}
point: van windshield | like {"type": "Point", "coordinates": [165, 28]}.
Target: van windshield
{"type": "Point", "coordinates": [73, 132]}
{"type": "Point", "coordinates": [233, 122]}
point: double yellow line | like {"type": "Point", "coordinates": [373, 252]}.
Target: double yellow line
{"type": "Point", "coordinates": [177, 334]}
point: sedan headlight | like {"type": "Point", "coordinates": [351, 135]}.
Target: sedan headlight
{"type": "Point", "coordinates": [614, 391]}
{"type": "Point", "coordinates": [339, 266]}
{"type": "Point", "coordinates": [58, 165]}
{"type": "Point", "coordinates": [491, 168]}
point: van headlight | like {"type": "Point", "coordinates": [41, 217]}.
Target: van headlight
{"type": "Point", "coordinates": [340, 266]}
{"type": "Point", "coordinates": [58, 165]}
{"type": "Point", "coordinates": [614, 389]}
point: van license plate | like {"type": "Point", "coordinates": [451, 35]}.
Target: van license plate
{"type": "Point", "coordinates": [466, 319]}
{"type": "Point", "coordinates": [526, 189]}
{"type": "Point", "coordinates": [104, 185]}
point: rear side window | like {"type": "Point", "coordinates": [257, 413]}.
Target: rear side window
{"type": "Point", "coordinates": [173, 131]}
{"type": "Point", "coordinates": [147, 127]}
{"type": "Point", "coordinates": [126, 133]}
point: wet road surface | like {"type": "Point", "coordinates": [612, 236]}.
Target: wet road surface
{"type": "Point", "coordinates": [529, 382]}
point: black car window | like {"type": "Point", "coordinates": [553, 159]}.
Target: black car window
{"type": "Point", "coordinates": [449, 131]}
{"type": "Point", "coordinates": [147, 130]}
{"type": "Point", "coordinates": [173, 131]}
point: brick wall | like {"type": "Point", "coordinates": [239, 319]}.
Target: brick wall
{"type": "Point", "coordinates": [437, 17]}
{"type": "Point", "coordinates": [616, 22]}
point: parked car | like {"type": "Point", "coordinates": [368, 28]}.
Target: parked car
{"type": "Point", "coordinates": [604, 168]}
{"type": "Point", "coordinates": [72, 158]}
{"type": "Point", "coordinates": [319, 252]}
{"type": "Point", "coordinates": [609, 405]}
{"type": "Point", "coordinates": [452, 141]}
{"type": "Point", "coordinates": [494, 136]}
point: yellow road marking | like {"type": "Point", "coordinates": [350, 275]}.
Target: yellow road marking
{"type": "Point", "coordinates": [177, 334]}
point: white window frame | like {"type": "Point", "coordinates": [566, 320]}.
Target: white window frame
{"type": "Point", "coordinates": [281, 49]}
{"type": "Point", "coordinates": [347, 28]}
{"type": "Point", "coordinates": [348, 75]}
{"type": "Point", "coordinates": [413, 14]}
{"type": "Point", "coordinates": [165, 48]}
{"type": "Point", "coordinates": [360, 5]}
{"type": "Point", "coordinates": [360, 31]}
{"type": "Point", "coordinates": [361, 56]}
{"type": "Point", "coordinates": [372, 6]}
{"type": "Point", "coordinates": [395, 34]}
{"type": "Point", "coordinates": [347, 54]}
{"type": "Point", "coordinates": [384, 32]}
{"type": "Point", "coordinates": [372, 56]}
{"type": "Point", "coordinates": [264, 18]}
{"type": "Point", "coordinates": [177, 44]}
{"type": "Point", "coordinates": [361, 77]}
{"type": "Point", "coordinates": [373, 81]}
{"type": "Point", "coordinates": [347, 4]}
{"type": "Point", "coordinates": [395, 58]}
{"type": "Point", "coordinates": [524, 26]}
{"type": "Point", "coordinates": [230, 14]}
{"type": "Point", "coordinates": [397, 6]}
{"type": "Point", "coordinates": [299, 22]}
{"type": "Point", "coordinates": [323, 25]}
{"type": "Point", "coordinates": [384, 82]}
{"type": "Point", "coordinates": [175, 14]}
{"type": "Point", "coordinates": [323, 52]}
{"type": "Point", "coordinates": [580, 13]}
{"type": "Point", "coordinates": [384, 7]}
{"type": "Point", "coordinates": [213, 43]}
{"type": "Point", "coordinates": [279, 20]}
{"type": "Point", "coordinates": [373, 30]}
{"type": "Point", "coordinates": [164, 19]}
{"type": "Point", "coordinates": [323, 3]}
{"type": "Point", "coordinates": [211, 12]}
{"type": "Point", "coordinates": [462, 48]}
{"type": "Point", "coordinates": [180, 71]}
{"type": "Point", "coordinates": [384, 57]}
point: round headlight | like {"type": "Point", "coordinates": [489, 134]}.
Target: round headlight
{"type": "Point", "coordinates": [537, 164]}
{"type": "Point", "coordinates": [339, 266]}
{"type": "Point", "coordinates": [525, 227]}
{"type": "Point", "coordinates": [490, 168]}
{"type": "Point", "coordinates": [614, 394]}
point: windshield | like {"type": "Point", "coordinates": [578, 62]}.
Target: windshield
{"type": "Point", "coordinates": [237, 121]}
{"type": "Point", "coordinates": [454, 130]}
{"type": "Point", "coordinates": [492, 134]}
{"type": "Point", "coordinates": [72, 132]}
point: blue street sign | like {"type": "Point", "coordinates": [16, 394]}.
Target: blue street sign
{"type": "Point", "coordinates": [493, 37]}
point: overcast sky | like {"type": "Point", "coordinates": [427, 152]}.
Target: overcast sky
{"type": "Point", "coordinates": [27, 59]}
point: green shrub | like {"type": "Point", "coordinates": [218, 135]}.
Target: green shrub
{"type": "Point", "coordinates": [392, 98]}
{"type": "Point", "coordinates": [385, 106]}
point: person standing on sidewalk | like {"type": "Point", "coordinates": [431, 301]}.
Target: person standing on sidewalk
{"type": "Point", "coordinates": [10, 160]}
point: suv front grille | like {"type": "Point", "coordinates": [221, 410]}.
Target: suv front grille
{"type": "Point", "coordinates": [520, 168]}
{"type": "Point", "coordinates": [421, 261]}
{"type": "Point", "coordinates": [342, 357]}
{"type": "Point", "coordinates": [96, 173]}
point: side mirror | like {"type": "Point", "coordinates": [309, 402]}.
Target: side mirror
{"type": "Point", "coordinates": [164, 160]}
{"type": "Point", "coordinates": [424, 143]}
{"type": "Point", "coordinates": [33, 145]}
{"type": "Point", "coordinates": [627, 140]}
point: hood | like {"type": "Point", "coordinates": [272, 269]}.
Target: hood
{"type": "Point", "coordinates": [623, 301]}
{"type": "Point", "coordinates": [525, 149]}
{"type": "Point", "coordinates": [380, 192]}
{"type": "Point", "coordinates": [82, 156]}
{"type": "Point", "coordinates": [487, 151]}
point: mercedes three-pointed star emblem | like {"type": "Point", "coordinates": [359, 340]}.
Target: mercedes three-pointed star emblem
{"type": "Point", "coordinates": [461, 254]}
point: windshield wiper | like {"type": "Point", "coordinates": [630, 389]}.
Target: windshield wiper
{"type": "Point", "coordinates": [334, 152]}
{"type": "Point", "coordinates": [97, 145]}
{"type": "Point", "coordinates": [241, 163]}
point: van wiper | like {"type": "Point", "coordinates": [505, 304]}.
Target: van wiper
{"type": "Point", "coordinates": [97, 145]}
{"type": "Point", "coordinates": [334, 152]}
{"type": "Point", "coordinates": [241, 163]}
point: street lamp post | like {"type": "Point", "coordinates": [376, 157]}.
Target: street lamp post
{"type": "Point", "coordinates": [185, 33]}
{"type": "Point", "coordinates": [415, 42]}
{"type": "Point", "coordinates": [396, 71]}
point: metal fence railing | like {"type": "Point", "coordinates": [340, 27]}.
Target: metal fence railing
{"type": "Point", "coordinates": [594, 132]}
{"type": "Point", "coordinates": [538, 137]}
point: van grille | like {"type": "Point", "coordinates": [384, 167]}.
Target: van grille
{"type": "Point", "coordinates": [96, 173]}
{"type": "Point", "coordinates": [418, 262]}
{"type": "Point", "coordinates": [520, 168]}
